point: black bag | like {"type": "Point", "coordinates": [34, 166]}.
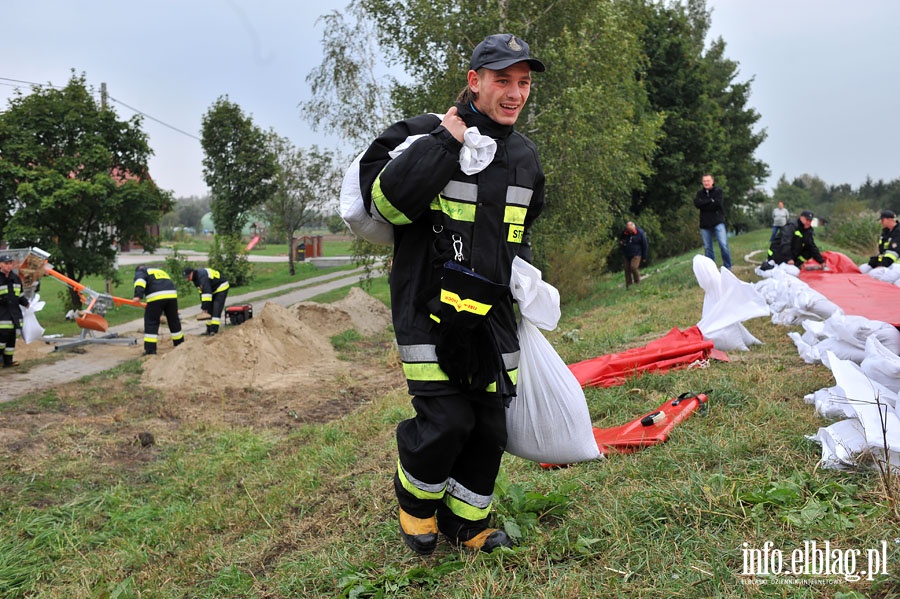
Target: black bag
{"type": "Point", "coordinates": [466, 348]}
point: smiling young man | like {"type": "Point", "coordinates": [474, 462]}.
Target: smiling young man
{"type": "Point", "coordinates": [457, 228]}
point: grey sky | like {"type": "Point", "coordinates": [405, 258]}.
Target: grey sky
{"type": "Point", "coordinates": [826, 83]}
{"type": "Point", "coordinates": [826, 72]}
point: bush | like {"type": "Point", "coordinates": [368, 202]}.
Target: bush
{"type": "Point", "coordinates": [857, 230]}
{"type": "Point", "coordinates": [228, 257]}
{"type": "Point", "coordinates": [573, 265]}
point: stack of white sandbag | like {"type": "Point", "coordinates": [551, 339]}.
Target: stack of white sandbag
{"type": "Point", "coordinates": [864, 357]}
{"type": "Point", "coordinates": [790, 300]}
{"type": "Point", "coordinates": [845, 336]}
{"type": "Point", "coordinates": [870, 433]}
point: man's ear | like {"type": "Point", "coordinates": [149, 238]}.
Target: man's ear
{"type": "Point", "coordinates": [473, 80]}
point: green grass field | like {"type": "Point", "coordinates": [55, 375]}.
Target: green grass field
{"type": "Point", "coordinates": [237, 507]}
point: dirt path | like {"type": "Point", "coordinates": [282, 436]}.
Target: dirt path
{"type": "Point", "coordinates": [100, 354]}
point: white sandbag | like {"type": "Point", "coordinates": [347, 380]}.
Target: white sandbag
{"type": "Point", "coordinates": [31, 328]}
{"type": "Point", "coordinates": [790, 300]}
{"type": "Point", "coordinates": [727, 303]}
{"type": "Point", "coordinates": [855, 330]}
{"type": "Point", "coordinates": [842, 444]}
{"type": "Point", "coordinates": [538, 300]}
{"type": "Point", "coordinates": [832, 403]}
{"type": "Point", "coordinates": [779, 270]}
{"type": "Point", "coordinates": [548, 421]}
{"type": "Point", "coordinates": [881, 364]}
{"type": "Point", "coordinates": [888, 275]}
{"type": "Point", "coordinates": [809, 301]}
{"type": "Point", "coordinates": [475, 155]}
{"type": "Point", "coordinates": [880, 421]}
{"type": "Point", "coordinates": [353, 210]}
{"type": "Point", "coordinates": [841, 349]}
{"type": "Point", "coordinates": [808, 352]}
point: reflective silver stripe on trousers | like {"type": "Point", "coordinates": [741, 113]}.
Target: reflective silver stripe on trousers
{"type": "Point", "coordinates": [430, 488]}
{"type": "Point", "coordinates": [460, 492]}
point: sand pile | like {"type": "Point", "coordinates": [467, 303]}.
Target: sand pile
{"type": "Point", "coordinates": [358, 310]}
{"type": "Point", "coordinates": [279, 348]}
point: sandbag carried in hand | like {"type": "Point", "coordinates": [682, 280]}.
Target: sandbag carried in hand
{"type": "Point", "coordinates": [548, 422]}
{"type": "Point", "coordinates": [31, 328]}
{"type": "Point", "coordinates": [466, 348]}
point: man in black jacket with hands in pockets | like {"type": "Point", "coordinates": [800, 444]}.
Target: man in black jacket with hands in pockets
{"type": "Point", "coordinates": [711, 201]}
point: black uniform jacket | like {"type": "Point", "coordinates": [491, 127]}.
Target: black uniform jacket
{"type": "Point", "coordinates": [888, 246]}
{"type": "Point", "coordinates": [11, 299]}
{"type": "Point", "coordinates": [795, 243]}
{"type": "Point", "coordinates": [431, 204]}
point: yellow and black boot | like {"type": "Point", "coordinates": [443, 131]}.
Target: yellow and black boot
{"type": "Point", "coordinates": [488, 540]}
{"type": "Point", "coordinates": [419, 534]}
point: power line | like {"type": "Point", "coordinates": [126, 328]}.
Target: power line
{"type": "Point", "coordinates": [17, 82]}
{"type": "Point", "coordinates": [142, 113]}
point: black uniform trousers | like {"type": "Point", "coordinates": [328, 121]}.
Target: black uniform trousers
{"type": "Point", "coordinates": [152, 317]}
{"type": "Point", "coordinates": [455, 436]}
{"type": "Point", "coordinates": [215, 310]}
{"type": "Point", "coordinates": [8, 344]}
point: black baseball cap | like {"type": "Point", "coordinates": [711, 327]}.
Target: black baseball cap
{"type": "Point", "coordinates": [887, 214]}
{"type": "Point", "coordinates": [6, 258]}
{"type": "Point", "coordinates": [498, 51]}
{"type": "Point", "coordinates": [807, 214]}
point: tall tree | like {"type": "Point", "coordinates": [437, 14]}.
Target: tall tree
{"type": "Point", "coordinates": [708, 126]}
{"type": "Point", "coordinates": [74, 179]}
{"type": "Point", "coordinates": [305, 184]}
{"type": "Point", "coordinates": [238, 166]}
{"type": "Point", "coordinates": [350, 94]}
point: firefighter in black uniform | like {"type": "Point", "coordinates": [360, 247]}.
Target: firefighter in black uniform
{"type": "Point", "coordinates": [157, 289]}
{"type": "Point", "coordinates": [795, 244]}
{"type": "Point", "coordinates": [213, 293]}
{"type": "Point", "coordinates": [889, 243]}
{"type": "Point", "coordinates": [11, 302]}
{"type": "Point", "coordinates": [455, 238]}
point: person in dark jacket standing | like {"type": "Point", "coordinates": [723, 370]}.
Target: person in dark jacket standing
{"type": "Point", "coordinates": [213, 289]}
{"type": "Point", "coordinates": [157, 289]}
{"type": "Point", "coordinates": [795, 245]}
{"type": "Point", "coordinates": [889, 243]}
{"type": "Point", "coordinates": [711, 201]}
{"type": "Point", "coordinates": [635, 247]}
{"type": "Point", "coordinates": [11, 303]}
{"type": "Point", "coordinates": [456, 233]}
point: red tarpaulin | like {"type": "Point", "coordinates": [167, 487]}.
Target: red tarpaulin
{"type": "Point", "coordinates": [678, 349]}
{"type": "Point", "coordinates": [853, 292]}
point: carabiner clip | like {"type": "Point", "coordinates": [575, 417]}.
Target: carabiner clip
{"type": "Point", "coordinates": [457, 248]}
